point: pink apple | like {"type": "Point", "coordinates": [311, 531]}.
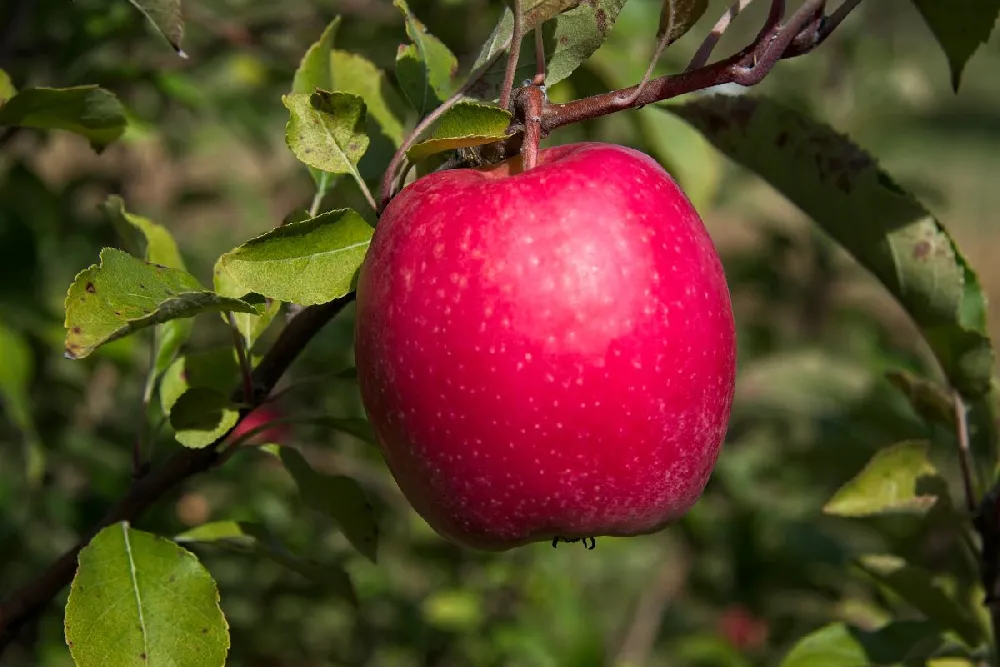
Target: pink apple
{"type": "Point", "coordinates": [548, 353]}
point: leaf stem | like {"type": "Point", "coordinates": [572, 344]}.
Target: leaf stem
{"type": "Point", "coordinates": [517, 36]}
{"type": "Point", "coordinates": [965, 453]}
{"type": "Point", "coordinates": [246, 374]}
{"type": "Point", "coordinates": [704, 51]}
{"type": "Point", "coordinates": [145, 428]}
{"type": "Point", "coordinates": [321, 187]}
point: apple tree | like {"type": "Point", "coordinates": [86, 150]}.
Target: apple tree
{"type": "Point", "coordinates": [493, 359]}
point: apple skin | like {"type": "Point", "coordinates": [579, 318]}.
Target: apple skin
{"type": "Point", "coordinates": [279, 433]}
{"type": "Point", "coordinates": [546, 353]}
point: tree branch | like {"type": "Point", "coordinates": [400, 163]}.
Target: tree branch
{"type": "Point", "coordinates": [32, 598]}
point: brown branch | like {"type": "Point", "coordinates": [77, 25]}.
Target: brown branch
{"type": "Point", "coordinates": [517, 36]}
{"type": "Point", "coordinates": [32, 598]}
{"type": "Point", "coordinates": [704, 51]}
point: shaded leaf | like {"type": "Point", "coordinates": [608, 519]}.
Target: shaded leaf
{"type": "Point", "coordinates": [359, 76]}
{"type": "Point", "coordinates": [250, 326]}
{"type": "Point", "coordinates": [677, 17]}
{"type": "Point", "coordinates": [929, 400]}
{"type": "Point", "coordinates": [338, 497]}
{"type": "Point", "coordinates": [256, 539]}
{"type": "Point", "coordinates": [425, 68]}
{"type": "Point", "coordinates": [309, 262]}
{"type": "Point", "coordinates": [165, 15]}
{"type": "Point", "coordinates": [89, 111]}
{"type": "Point", "coordinates": [123, 295]}
{"type": "Point", "coordinates": [887, 230]}
{"type": "Point", "coordinates": [841, 645]}
{"type": "Point", "coordinates": [916, 586]}
{"type": "Point", "coordinates": [465, 124]}
{"type": "Point", "coordinates": [326, 131]}
{"type": "Point", "coordinates": [141, 599]}
{"type": "Point", "coordinates": [314, 69]}
{"type": "Point", "coordinates": [535, 12]}
{"type": "Point", "coordinates": [17, 368]}
{"type": "Point", "coordinates": [217, 369]}
{"type": "Point", "coordinates": [200, 416]}
{"type": "Point", "coordinates": [888, 484]}
{"type": "Point", "coordinates": [961, 27]}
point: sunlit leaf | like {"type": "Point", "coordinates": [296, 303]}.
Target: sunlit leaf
{"type": "Point", "coordinates": [139, 599]}
{"type": "Point", "coordinates": [123, 294]}
{"type": "Point", "coordinates": [465, 124]}
{"type": "Point", "coordinates": [852, 199]}
{"type": "Point", "coordinates": [917, 587]}
{"type": "Point", "coordinates": [89, 111]}
{"type": "Point", "coordinates": [7, 89]}
{"type": "Point", "coordinates": [961, 27]}
{"type": "Point", "coordinates": [338, 497]}
{"type": "Point", "coordinates": [309, 262]}
{"type": "Point", "coordinates": [888, 484]}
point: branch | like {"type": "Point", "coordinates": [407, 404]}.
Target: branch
{"type": "Point", "coordinates": [32, 598]}
{"type": "Point", "coordinates": [516, 37]}
{"type": "Point", "coordinates": [747, 68]}
{"type": "Point", "coordinates": [704, 51]}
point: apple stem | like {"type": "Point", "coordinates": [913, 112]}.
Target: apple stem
{"type": "Point", "coordinates": [530, 101]}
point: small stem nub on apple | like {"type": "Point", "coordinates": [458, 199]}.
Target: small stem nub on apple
{"type": "Point", "coordinates": [529, 103]}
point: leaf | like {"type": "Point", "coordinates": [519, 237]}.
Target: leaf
{"type": "Point", "coordinates": [326, 131]}
{"type": "Point", "coordinates": [200, 416]}
{"type": "Point", "coordinates": [841, 645]}
{"type": "Point", "coordinates": [165, 15]}
{"type": "Point", "coordinates": [250, 327]}
{"type": "Point", "coordinates": [314, 70]}
{"type": "Point", "coordinates": [359, 76]}
{"type": "Point", "coordinates": [916, 586]}
{"type": "Point", "coordinates": [677, 17]}
{"type": "Point", "coordinates": [929, 400]}
{"type": "Point", "coordinates": [141, 599]}
{"type": "Point", "coordinates": [256, 539]}
{"type": "Point", "coordinates": [961, 27]}
{"type": "Point", "coordinates": [89, 111]}
{"type": "Point", "coordinates": [338, 497]}
{"type": "Point", "coordinates": [465, 124]}
{"type": "Point", "coordinates": [425, 68]}
{"type": "Point", "coordinates": [886, 229]}
{"type": "Point", "coordinates": [123, 295]}
{"type": "Point", "coordinates": [16, 372]}
{"type": "Point", "coordinates": [576, 35]}
{"type": "Point", "coordinates": [309, 262]}
{"type": "Point", "coordinates": [7, 89]}
{"type": "Point", "coordinates": [171, 338]}
{"type": "Point", "coordinates": [217, 369]}
{"type": "Point", "coordinates": [888, 484]}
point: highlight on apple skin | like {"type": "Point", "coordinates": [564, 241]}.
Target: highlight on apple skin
{"type": "Point", "coordinates": [547, 353]}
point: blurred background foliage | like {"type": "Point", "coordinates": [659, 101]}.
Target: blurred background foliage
{"type": "Point", "coordinates": [754, 567]}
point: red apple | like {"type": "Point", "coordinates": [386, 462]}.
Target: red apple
{"type": "Point", "coordinates": [742, 629]}
{"type": "Point", "coordinates": [265, 413]}
{"type": "Point", "coordinates": [546, 353]}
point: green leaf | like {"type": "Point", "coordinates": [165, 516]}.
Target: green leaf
{"type": "Point", "coordinates": [916, 586]}
{"type": "Point", "coordinates": [326, 131]}
{"type": "Point", "coordinates": [465, 124]}
{"type": "Point", "coordinates": [200, 416]}
{"type": "Point", "coordinates": [929, 400]}
{"type": "Point", "coordinates": [677, 17]}
{"type": "Point", "coordinates": [171, 338]}
{"type": "Point", "coordinates": [314, 69]}
{"type": "Point", "coordinates": [961, 27]}
{"type": "Point", "coordinates": [536, 12]}
{"type": "Point", "coordinates": [16, 373]}
{"type": "Point", "coordinates": [89, 111]}
{"type": "Point", "coordinates": [886, 229]}
{"type": "Point", "coordinates": [139, 599]}
{"type": "Point", "coordinates": [250, 327]}
{"type": "Point", "coordinates": [217, 369]}
{"type": "Point", "coordinates": [7, 89]}
{"type": "Point", "coordinates": [425, 68]}
{"type": "Point", "coordinates": [339, 497]}
{"type": "Point", "coordinates": [359, 76]}
{"type": "Point", "coordinates": [256, 539]}
{"type": "Point", "coordinates": [123, 295]}
{"type": "Point", "coordinates": [166, 17]}
{"type": "Point", "coordinates": [841, 645]}
{"type": "Point", "coordinates": [309, 262]}
{"type": "Point", "coordinates": [576, 35]}
{"type": "Point", "coordinates": [888, 484]}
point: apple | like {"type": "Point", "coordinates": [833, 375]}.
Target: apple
{"type": "Point", "coordinates": [278, 433]}
{"type": "Point", "coordinates": [547, 353]}
{"type": "Point", "coordinates": [742, 629]}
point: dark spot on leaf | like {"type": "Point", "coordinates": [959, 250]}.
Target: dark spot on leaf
{"type": "Point", "coordinates": [204, 631]}
{"type": "Point", "coordinates": [921, 250]}
{"type": "Point", "coordinates": [602, 21]}
{"type": "Point", "coordinates": [141, 286]}
{"type": "Point", "coordinates": [142, 656]}
{"type": "Point", "coordinates": [781, 140]}
{"type": "Point", "coordinates": [70, 644]}
{"type": "Point", "coordinates": [564, 40]}
{"type": "Point", "coordinates": [76, 330]}
{"type": "Point", "coordinates": [82, 299]}
{"type": "Point", "coordinates": [91, 288]}
{"type": "Point", "coordinates": [173, 578]}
